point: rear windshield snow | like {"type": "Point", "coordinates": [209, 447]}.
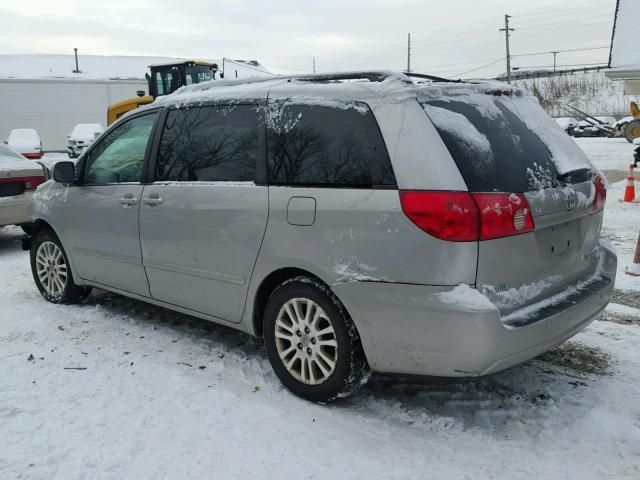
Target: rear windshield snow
{"type": "Point", "coordinates": [493, 147]}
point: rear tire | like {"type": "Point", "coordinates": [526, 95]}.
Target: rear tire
{"type": "Point", "coordinates": [312, 343]}
{"type": "Point", "coordinates": [51, 271]}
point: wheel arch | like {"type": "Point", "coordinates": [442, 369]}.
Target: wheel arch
{"type": "Point", "coordinates": [40, 224]}
{"type": "Point", "coordinates": [269, 284]}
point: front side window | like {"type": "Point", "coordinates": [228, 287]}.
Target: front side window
{"type": "Point", "coordinates": [119, 156]}
{"type": "Point", "coordinates": [330, 146]}
{"type": "Point", "coordinates": [209, 144]}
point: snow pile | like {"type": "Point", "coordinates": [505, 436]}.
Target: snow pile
{"type": "Point", "coordinates": [513, 297]}
{"type": "Point", "coordinates": [466, 298]}
{"type": "Point", "coordinates": [355, 271]}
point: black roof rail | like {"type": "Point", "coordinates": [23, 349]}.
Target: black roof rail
{"type": "Point", "coordinates": [431, 77]}
{"type": "Point", "coordinates": [372, 76]}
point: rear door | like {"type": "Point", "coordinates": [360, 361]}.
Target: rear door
{"type": "Point", "coordinates": [503, 142]}
{"type": "Point", "coordinates": [203, 217]}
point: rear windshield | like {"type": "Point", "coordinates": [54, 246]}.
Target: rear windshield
{"type": "Point", "coordinates": [493, 148]}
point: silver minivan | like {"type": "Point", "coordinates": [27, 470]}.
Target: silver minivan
{"type": "Point", "coordinates": [357, 222]}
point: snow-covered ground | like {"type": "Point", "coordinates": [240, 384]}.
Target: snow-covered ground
{"type": "Point", "coordinates": [608, 153]}
{"type": "Point", "coordinates": [115, 388]}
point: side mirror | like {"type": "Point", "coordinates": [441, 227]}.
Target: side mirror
{"type": "Point", "coordinates": [64, 172]}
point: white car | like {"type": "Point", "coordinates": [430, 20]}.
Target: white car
{"type": "Point", "coordinates": [19, 178]}
{"type": "Point", "coordinates": [81, 137]}
{"type": "Point", "coordinates": [25, 141]}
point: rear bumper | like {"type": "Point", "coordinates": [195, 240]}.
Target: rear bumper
{"type": "Point", "coordinates": [16, 210]}
{"type": "Point", "coordinates": [414, 329]}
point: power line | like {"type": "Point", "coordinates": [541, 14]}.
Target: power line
{"type": "Point", "coordinates": [533, 54]}
{"type": "Point", "coordinates": [397, 47]}
{"type": "Point", "coordinates": [566, 65]}
{"type": "Point", "coordinates": [422, 45]}
{"type": "Point", "coordinates": [479, 68]}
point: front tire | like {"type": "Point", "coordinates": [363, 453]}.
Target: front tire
{"type": "Point", "coordinates": [51, 271]}
{"type": "Point", "coordinates": [312, 343]}
{"type": "Point", "coordinates": [632, 131]}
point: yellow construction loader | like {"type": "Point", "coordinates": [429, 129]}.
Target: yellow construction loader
{"type": "Point", "coordinates": [163, 80]}
{"type": "Point", "coordinates": [630, 129]}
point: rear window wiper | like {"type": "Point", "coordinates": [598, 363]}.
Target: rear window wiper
{"type": "Point", "coordinates": [579, 175]}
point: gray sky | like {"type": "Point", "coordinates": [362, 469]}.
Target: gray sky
{"type": "Point", "coordinates": [449, 37]}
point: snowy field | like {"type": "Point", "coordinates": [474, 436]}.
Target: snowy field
{"type": "Point", "coordinates": [117, 389]}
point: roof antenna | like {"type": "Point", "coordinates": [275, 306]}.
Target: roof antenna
{"type": "Point", "coordinates": [77, 70]}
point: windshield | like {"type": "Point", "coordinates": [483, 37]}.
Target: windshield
{"type": "Point", "coordinates": [198, 74]}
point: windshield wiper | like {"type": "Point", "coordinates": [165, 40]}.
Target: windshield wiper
{"type": "Point", "coordinates": [579, 175]}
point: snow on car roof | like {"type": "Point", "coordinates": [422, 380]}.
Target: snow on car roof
{"type": "Point", "coordinates": [13, 164]}
{"type": "Point", "coordinates": [24, 135]}
{"type": "Point", "coordinates": [348, 86]}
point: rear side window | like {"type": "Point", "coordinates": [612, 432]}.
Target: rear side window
{"type": "Point", "coordinates": [326, 146]}
{"type": "Point", "coordinates": [211, 143]}
{"type": "Point", "coordinates": [494, 150]}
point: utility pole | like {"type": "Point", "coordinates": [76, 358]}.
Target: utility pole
{"type": "Point", "coordinates": [75, 52]}
{"type": "Point", "coordinates": [314, 65]}
{"type": "Point", "coordinates": [409, 53]}
{"type": "Point", "coordinates": [555, 54]}
{"type": "Point", "coordinates": [507, 34]}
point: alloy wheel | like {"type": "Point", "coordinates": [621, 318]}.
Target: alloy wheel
{"type": "Point", "coordinates": [51, 268]}
{"type": "Point", "coordinates": [306, 341]}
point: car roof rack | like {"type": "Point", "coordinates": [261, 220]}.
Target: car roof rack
{"type": "Point", "coordinates": [372, 76]}
{"type": "Point", "coordinates": [431, 77]}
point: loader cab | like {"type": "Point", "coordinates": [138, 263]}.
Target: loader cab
{"type": "Point", "coordinates": [166, 79]}
{"type": "Point", "coordinates": [163, 80]}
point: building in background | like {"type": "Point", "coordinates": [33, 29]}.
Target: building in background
{"type": "Point", "coordinates": [44, 92]}
{"type": "Point", "coordinates": [624, 59]}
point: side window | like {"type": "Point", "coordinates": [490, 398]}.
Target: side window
{"type": "Point", "coordinates": [326, 146]}
{"type": "Point", "coordinates": [119, 156]}
{"type": "Point", "coordinates": [207, 144]}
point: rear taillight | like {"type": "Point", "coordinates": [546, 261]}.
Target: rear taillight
{"type": "Point", "coordinates": [446, 215]}
{"type": "Point", "coordinates": [30, 183]}
{"type": "Point", "coordinates": [600, 197]}
{"type": "Point", "coordinates": [468, 217]}
{"type": "Point", "coordinates": [503, 214]}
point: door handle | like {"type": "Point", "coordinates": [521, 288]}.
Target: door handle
{"type": "Point", "coordinates": [152, 200]}
{"type": "Point", "coordinates": [128, 200]}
